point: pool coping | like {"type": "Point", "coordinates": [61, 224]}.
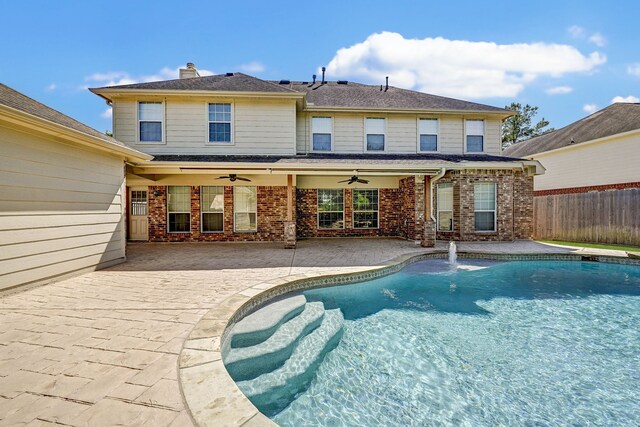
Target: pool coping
{"type": "Point", "coordinates": [212, 397]}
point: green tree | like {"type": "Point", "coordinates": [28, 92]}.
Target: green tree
{"type": "Point", "coordinates": [108, 133]}
{"type": "Point", "coordinates": [518, 127]}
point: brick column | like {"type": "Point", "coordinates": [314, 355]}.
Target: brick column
{"type": "Point", "coordinates": [429, 234]}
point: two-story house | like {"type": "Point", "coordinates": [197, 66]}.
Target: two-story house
{"type": "Point", "coordinates": [237, 158]}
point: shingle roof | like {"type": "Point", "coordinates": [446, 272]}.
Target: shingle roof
{"type": "Point", "coordinates": [616, 118]}
{"type": "Point", "coordinates": [366, 159]}
{"type": "Point", "coordinates": [14, 99]}
{"type": "Point", "coordinates": [357, 95]}
{"type": "Point", "coordinates": [230, 82]}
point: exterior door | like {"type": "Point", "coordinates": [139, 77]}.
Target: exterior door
{"type": "Point", "coordinates": [138, 222]}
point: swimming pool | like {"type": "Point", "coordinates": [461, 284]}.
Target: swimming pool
{"type": "Point", "coordinates": [488, 343]}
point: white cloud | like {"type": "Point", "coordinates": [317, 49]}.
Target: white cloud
{"type": "Point", "coordinates": [597, 39]}
{"type": "Point", "coordinates": [576, 31]}
{"type": "Point", "coordinates": [590, 108]}
{"type": "Point", "coordinates": [629, 98]}
{"type": "Point", "coordinates": [559, 90]}
{"type": "Point", "coordinates": [52, 87]}
{"type": "Point", "coordinates": [457, 68]}
{"type": "Point", "coordinates": [253, 67]}
{"type": "Point", "coordinates": [114, 78]}
{"type": "Point", "coordinates": [634, 69]}
{"type": "Point", "coordinates": [107, 114]}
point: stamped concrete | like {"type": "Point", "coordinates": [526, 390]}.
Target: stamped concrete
{"type": "Point", "coordinates": [103, 348]}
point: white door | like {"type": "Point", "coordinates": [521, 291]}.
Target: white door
{"type": "Point", "coordinates": [138, 228]}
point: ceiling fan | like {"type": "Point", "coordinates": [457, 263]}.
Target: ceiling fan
{"type": "Point", "coordinates": [353, 179]}
{"type": "Point", "coordinates": [233, 177]}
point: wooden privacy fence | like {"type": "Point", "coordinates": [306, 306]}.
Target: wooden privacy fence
{"type": "Point", "coordinates": [598, 217]}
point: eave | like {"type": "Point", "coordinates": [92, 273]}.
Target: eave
{"type": "Point", "coordinates": [110, 94]}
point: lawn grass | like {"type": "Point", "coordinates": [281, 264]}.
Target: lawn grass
{"type": "Point", "coordinates": [593, 245]}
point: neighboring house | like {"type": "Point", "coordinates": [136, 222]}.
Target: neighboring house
{"type": "Point", "coordinates": [426, 166]}
{"type": "Point", "coordinates": [61, 193]}
{"type": "Point", "coordinates": [591, 189]}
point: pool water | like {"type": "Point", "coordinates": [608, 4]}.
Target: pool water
{"type": "Point", "coordinates": [513, 343]}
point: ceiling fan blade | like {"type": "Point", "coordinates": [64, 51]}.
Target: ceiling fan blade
{"type": "Point", "coordinates": [346, 180]}
{"type": "Point", "coordinates": [223, 177]}
{"type": "Point", "coordinates": [363, 181]}
{"type": "Point", "coordinates": [243, 179]}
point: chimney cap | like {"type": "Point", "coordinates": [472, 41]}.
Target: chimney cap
{"type": "Point", "coordinates": [191, 65]}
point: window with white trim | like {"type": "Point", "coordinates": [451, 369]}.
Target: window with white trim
{"type": "Point", "coordinates": [212, 208]}
{"type": "Point", "coordinates": [365, 208]}
{"type": "Point", "coordinates": [475, 136]}
{"type": "Point", "coordinates": [428, 131]}
{"type": "Point", "coordinates": [330, 208]}
{"type": "Point", "coordinates": [445, 206]}
{"type": "Point", "coordinates": [220, 123]}
{"type": "Point", "coordinates": [374, 129]}
{"type": "Point", "coordinates": [179, 209]}
{"type": "Point", "coordinates": [150, 115]}
{"type": "Point", "coordinates": [321, 134]}
{"type": "Point", "coordinates": [245, 209]}
{"type": "Point", "coordinates": [484, 196]}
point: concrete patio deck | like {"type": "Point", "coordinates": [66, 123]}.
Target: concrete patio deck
{"type": "Point", "coordinates": [103, 348]}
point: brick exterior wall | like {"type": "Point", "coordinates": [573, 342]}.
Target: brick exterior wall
{"type": "Point", "coordinates": [307, 215]}
{"type": "Point", "coordinates": [514, 216]}
{"type": "Point", "coordinates": [272, 213]}
{"type": "Point", "coordinates": [401, 211]}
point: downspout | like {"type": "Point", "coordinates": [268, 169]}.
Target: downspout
{"type": "Point", "coordinates": [435, 178]}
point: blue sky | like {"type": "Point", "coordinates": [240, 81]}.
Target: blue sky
{"type": "Point", "coordinates": [568, 57]}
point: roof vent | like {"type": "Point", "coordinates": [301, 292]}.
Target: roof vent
{"type": "Point", "coordinates": [314, 79]}
{"type": "Point", "coordinates": [323, 70]}
{"type": "Point", "coordinates": [386, 88]}
{"type": "Point", "coordinates": [285, 82]}
{"type": "Point", "coordinates": [189, 72]}
{"type": "Point", "coordinates": [343, 82]}
{"type": "Point", "coordinates": [229, 74]}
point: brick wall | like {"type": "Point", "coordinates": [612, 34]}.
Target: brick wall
{"type": "Point", "coordinates": [407, 220]}
{"type": "Point", "coordinates": [272, 212]}
{"type": "Point", "coordinates": [307, 215]}
{"type": "Point", "coordinates": [514, 216]}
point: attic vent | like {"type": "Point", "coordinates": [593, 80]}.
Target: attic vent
{"type": "Point", "coordinates": [343, 82]}
{"type": "Point", "coordinates": [229, 74]}
{"type": "Point", "coordinates": [284, 82]}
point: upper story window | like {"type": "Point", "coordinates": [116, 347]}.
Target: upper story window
{"type": "Point", "coordinates": [374, 129]}
{"type": "Point", "coordinates": [475, 136]}
{"type": "Point", "coordinates": [321, 131]}
{"type": "Point", "coordinates": [428, 129]}
{"type": "Point", "coordinates": [150, 115]}
{"type": "Point", "coordinates": [220, 123]}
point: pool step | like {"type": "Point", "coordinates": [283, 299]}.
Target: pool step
{"type": "Point", "coordinates": [245, 363]}
{"type": "Point", "coordinates": [259, 326]}
{"type": "Point", "coordinates": [274, 390]}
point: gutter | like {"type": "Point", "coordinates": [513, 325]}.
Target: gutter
{"type": "Point", "coordinates": [434, 179]}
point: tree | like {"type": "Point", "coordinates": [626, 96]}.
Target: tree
{"type": "Point", "coordinates": [518, 127]}
{"type": "Point", "coordinates": [108, 133]}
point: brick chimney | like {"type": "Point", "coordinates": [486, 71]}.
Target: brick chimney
{"type": "Point", "coordinates": [189, 72]}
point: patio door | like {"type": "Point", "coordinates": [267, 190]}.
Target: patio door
{"type": "Point", "coordinates": [138, 222]}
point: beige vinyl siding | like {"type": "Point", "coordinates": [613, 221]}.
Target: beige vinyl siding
{"type": "Point", "coordinates": [451, 136]}
{"type": "Point", "coordinates": [402, 134]}
{"type": "Point", "coordinates": [492, 137]}
{"type": "Point", "coordinates": [259, 126]}
{"type": "Point", "coordinates": [612, 161]}
{"type": "Point", "coordinates": [61, 208]}
{"type": "Point", "coordinates": [303, 136]}
{"type": "Point", "coordinates": [348, 133]}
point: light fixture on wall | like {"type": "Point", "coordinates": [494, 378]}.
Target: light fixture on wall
{"type": "Point", "coordinates": [157, 193]}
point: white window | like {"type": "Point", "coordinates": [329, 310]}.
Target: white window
{"type": "Point", "coordinates": [330, 209]}
{"type": "Point", "coordinates": [212, 208]}
{"type": "Point", "coordinates": [321, 133]}
{"type": "Point", "coordinates": [245, 209]}
{"type": "Point", "coordinates": [220, 123]}
{"type": "Point", "coordinates": [150, 116]}
{"type": "Point", "coordinates": [375, 133]}
{"type": "Point", "coordinates": [428, 130]}
{"type": "Point", "coordinates": [445, 206]}
{"type": "Point", "coordinates": [179, 208]}
{"type": "Point", "coordinates": [475, 136]}
{"type": "Point", "coordinates": [365, 208]}
{"type": "Point", "coordinates": [484, 196]}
